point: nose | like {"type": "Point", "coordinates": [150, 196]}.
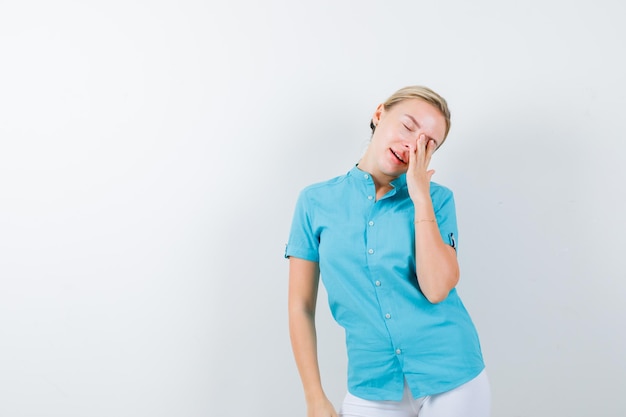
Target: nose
{"type": "Point", "coordinates": [409, 138]}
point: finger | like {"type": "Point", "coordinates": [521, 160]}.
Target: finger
{"type": "Point", "coordinates": [430, 174]}
{"type": "Point", "coordinates": [412, 156]}
{"type": "Point", "coordinates": [420, 145]}
{"type": "Point", "coordinates": [431, 147]}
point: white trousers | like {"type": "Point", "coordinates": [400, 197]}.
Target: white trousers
{"type": "Point", "coordinates": [472, 399]}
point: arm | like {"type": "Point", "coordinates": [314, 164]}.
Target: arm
{"type": "Point", "coordinates": [303, 286]}
{"type": "Point", "coordinates": [437, 267]}
{"type": "Point", "coordinates": [436, 264]}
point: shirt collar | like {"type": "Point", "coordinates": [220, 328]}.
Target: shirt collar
{"type": "Point", "coordinates": [364, 176]}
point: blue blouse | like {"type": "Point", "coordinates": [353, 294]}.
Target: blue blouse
{"type": "Point", "coordinates": [366, 254]}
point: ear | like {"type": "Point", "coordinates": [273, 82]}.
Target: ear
{"type": "Point", "coordinates": [378, 114]}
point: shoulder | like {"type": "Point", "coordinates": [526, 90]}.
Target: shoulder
{"type": "Point", "coordinates": [440, 194]}
{"type": "Point", "coordinates": [439, 190]}
{"type": "Point", "coordinates": [325, 187]}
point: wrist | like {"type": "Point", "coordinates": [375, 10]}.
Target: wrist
{"type": "Point", "coordinates": [420, 197]}
{"type": "Point", "coordinates": [315, 396]}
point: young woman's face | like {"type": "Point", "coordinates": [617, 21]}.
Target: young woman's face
{"type": "Point", "coordinates": [398, 128]}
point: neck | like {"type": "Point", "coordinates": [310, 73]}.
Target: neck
{"type": "Point", "coordinates": [382, 182]}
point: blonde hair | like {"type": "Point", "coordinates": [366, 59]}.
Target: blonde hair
{"type": "Point", "coordinates": [422, 93]}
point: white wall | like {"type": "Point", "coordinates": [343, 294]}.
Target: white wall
{"type": "Point", "coordinates": [151, 154]}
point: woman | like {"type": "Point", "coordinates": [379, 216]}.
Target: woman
{"type": "Point", "coordinates": [383, 239]}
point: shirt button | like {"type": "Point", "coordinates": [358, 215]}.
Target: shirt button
{"type": "Point", "coordinates": [369, 197]}
{"type": "Point", "coordinates": [387, 316]}
{"type": "Point", "coordinates": [370, 251]}
{"type": "Point", "coordinates": [366, 176]}
{"type": "Point", "coordinates": [377, 283]}
{"type": "Point", "coordinates": [371, 223]}
{"type": "Point", "coordinates": [398, 351]}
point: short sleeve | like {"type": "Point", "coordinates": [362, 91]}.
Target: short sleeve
{"type": "Point", "coordinates": [445, 211]}
{"type": "Point", "coordinates": [303, 239]}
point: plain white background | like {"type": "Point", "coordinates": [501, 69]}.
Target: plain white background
{"type": "Point", "coordinates": [151, 154]}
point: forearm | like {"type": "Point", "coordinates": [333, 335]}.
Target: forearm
{"type": "Point", "coordinates": [437, 268]}
{"type": "Point", "coordinates": [304, 345]}
{"type": "Point", "coordinates": [303, 285]}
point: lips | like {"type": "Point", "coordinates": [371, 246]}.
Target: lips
{"type": "Point", "coordinates": [398, 157]}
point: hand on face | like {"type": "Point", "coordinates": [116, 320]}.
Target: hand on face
{"type": "Point", "coordinates": [405, 128]}
{"type": "Point", "coordinates": [418, 175]}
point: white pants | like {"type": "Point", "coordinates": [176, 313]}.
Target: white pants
{"type": "Point", "coordinates": [472, 399]}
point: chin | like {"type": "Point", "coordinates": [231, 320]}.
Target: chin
{"type": "Point", "coordinates": [395, 172]}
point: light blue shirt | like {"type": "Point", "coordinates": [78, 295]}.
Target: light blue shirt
{"type": "Point", "coordinates": [366, 254]}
